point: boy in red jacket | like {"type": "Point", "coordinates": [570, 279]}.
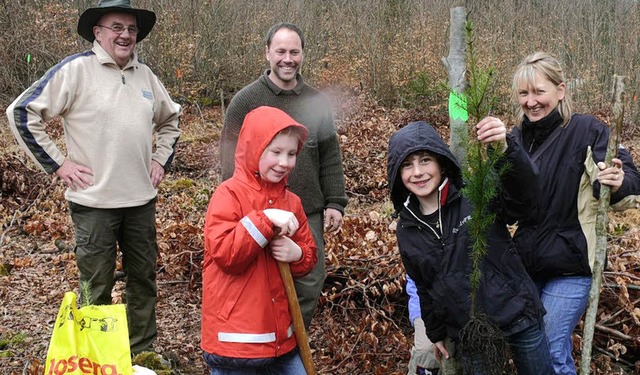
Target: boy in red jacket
{"type": "Point", "coordinates": [254, 221]}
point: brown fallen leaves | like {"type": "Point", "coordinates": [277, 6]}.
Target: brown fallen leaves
{"type": "Point", "coordinates": [361, 325]}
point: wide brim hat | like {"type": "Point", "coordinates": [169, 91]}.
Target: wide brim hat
{"type": "Point", "coordinates": [90, 17]}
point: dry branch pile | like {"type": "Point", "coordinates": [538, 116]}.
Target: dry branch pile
{"type": "Point", "coordinates": [361, 325]}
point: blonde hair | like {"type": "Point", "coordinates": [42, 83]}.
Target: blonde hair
{"type": "Point", "coordinates": [549, 67]}
{"type": "Point", "coordinates": [294, 131]}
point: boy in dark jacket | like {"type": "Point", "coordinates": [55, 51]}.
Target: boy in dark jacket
{"type": "Point", "coordinates": [434, 241]}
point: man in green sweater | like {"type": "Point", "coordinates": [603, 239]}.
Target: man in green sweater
{"type": "Point", "coordinates": [318, 177]}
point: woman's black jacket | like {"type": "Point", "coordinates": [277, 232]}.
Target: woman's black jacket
{"type": "Point", "coordinates": [560, 239]}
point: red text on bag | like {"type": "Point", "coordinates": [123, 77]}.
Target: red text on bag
{"type": "Point", "coordinates": [66, 366]}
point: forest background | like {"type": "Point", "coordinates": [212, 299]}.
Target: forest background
{"type": "Point", "coordinates": [380, 62]}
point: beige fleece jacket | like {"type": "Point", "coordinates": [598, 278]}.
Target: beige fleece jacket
{"type": "Point", "coordinates": [110, 117]}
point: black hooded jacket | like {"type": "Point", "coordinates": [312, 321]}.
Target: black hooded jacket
{"type": "Point", "coordinates": [437, 258]}
{"type": "Point", "coordinates": [561, 239]}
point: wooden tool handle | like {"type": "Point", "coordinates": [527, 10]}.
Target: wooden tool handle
{"type": "Point", "coordinates": [296, 316]}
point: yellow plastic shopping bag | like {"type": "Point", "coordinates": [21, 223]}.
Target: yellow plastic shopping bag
{"type": "Point", "coordinates": [91, 340]}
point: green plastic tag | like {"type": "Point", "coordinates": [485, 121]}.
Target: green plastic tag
{"type": "Point", "coordinates": [458, 107]}
{"type": "Point", "coordinates": [28, 58]}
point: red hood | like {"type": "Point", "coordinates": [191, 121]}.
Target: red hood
{"type": "Point", "coordinates": [260, 126]}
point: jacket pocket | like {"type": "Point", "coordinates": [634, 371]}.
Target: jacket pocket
{"type": "Point", "coordinates": [234, 287]}
{"type": "Point", "coordinates": [499, 297]}
{"type": "Point", "coordinates": [81, 222]}
{"type": "Point", "coordinates": [451, 299]}
{"type": "Point", "coordinates": [573, 258]}
{"type": "Point", "coordinates": [82, 237]}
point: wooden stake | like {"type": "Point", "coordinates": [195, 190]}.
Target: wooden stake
{"type": "Point", "coordinates": [601, 230]}
{"type": "Point", "coordinates": [296, 316]}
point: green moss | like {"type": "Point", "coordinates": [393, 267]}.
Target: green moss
{"type": "Point", "coordinates": [13, 341]}
{"type": "Point", "coordinates": [181, 184]}
{"type": "Point", "coordinates": [5, 269]}
{"type": "Point", "coordinates": [152, 361]}
{"type": "Point", "coordinates": [18, 339]}
{"type": "Point", "coordinates": [206, 101]}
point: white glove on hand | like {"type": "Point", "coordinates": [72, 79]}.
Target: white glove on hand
{"type": "Point", "coordinates": [284, 220]}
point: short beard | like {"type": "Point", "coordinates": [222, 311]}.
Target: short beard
{"type": "Point", "coordinates": [280, 77]}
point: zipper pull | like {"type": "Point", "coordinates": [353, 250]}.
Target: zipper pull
{"type": "Point", "coordinates": [122, 75]}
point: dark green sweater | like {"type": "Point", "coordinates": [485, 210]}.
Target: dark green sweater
{"type": "Point", "coordinates": [318, 178]}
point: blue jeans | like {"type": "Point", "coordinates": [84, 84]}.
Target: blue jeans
{"type": "Point", "coordinates": [565, 299]}
{"type": "Point", "coordinates": [531, 351]}
{"type": "Point", "coordinates": [286, 364]}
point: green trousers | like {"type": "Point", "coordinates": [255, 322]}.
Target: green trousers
{"type": "Point", "coordinates": [309, 287]}
{"type": "Point", "coordinates": [99, 233]}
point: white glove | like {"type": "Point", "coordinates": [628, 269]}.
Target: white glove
{"type": "Point", "coordinates": [285, 221]}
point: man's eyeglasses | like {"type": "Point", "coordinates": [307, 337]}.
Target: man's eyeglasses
{"type": "Point", "coordinates": [119, 29]}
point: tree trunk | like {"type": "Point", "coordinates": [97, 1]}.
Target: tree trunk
{"type": "Point", "coordinates": [455, 64]}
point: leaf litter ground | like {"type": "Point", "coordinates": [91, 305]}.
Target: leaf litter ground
{"type": "Point", "coordinates": [361, 325]}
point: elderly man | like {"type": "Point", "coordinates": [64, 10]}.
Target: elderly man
{"type": "Point", "coordinates": [112, 105]}
{"type": "Point", "coordinates": [318, 178]}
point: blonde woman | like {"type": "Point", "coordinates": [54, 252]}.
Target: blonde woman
{"type": "Point", "coordinates": [558, 243]}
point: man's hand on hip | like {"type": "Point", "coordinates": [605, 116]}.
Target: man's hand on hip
{"type": "Point", "coordinates": [157, 173]}
{"type": "Point", "coordinates": [75, 175]}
